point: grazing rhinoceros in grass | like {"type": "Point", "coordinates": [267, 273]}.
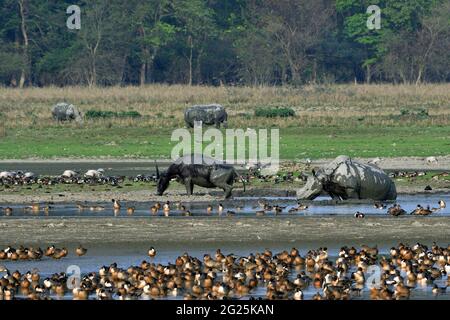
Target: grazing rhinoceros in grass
{"type": "Point", "coordinates": [213, 114]}
{"type": "Point", "coordinates": [344, 178]}
{"type": "Point", "coordinates": [202, 173]}
{"type": "Point", "coordinates": [66, 112]}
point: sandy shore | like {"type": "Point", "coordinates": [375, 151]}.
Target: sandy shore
{"type": "Point", "coordinates": [173, 195]}
{"type": "Point", "coordinates": [395, 163]}
{"type": "Point", "coordinates": [402, 163]}
{"type": "Point", "coordinates": [199, 230]}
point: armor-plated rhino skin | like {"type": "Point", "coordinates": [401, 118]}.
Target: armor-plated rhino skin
{"type": "Point", "coordinates": [212, 114]}
{"type": "Point", "coordinates": [344, 178]}
{"type": "Point", "coordinates": [66, 112]}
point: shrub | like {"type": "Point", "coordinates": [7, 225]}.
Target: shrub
{"type": "Point", "coordinates": [421, 113]}
{"type": "Point", "coordinates": [404, 112]}
{"type": "Point", "coordinates": [95, 114]}
{"type": "Point", "coordinates": [270, 112]}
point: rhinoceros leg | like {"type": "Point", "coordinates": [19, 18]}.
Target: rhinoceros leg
{"type": "Point", "coordinates": [351, 193]}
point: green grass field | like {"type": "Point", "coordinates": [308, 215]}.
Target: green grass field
{"type": "Point", "coordinates": [295, 143]}
{"type": "Point", "coordinates": [356, 120]}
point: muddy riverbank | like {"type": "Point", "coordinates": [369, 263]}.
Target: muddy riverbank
{"type": "Point", "coordinates": [216, 230]}
{"type": "Point", "coordinates": [127, 165]}
{"type": "Point", "coordinates": [173, 195]}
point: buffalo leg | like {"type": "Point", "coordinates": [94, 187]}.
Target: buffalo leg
{"type": "Point", "coordinates": [227, 189]}
{"type": "Point", "coordinates": [189, 186]}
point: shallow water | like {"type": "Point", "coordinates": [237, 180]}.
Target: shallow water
{"type": "Point", "coordinates": [134, 254]}
{"type": "Point", "coordinates": [240, 206]}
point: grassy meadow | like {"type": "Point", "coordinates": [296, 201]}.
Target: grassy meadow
{"type": "Point", "coordinates": [358, 120]}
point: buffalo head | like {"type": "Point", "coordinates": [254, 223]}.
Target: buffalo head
{"type": "Point", "coordinates": [165, 177]}
{"type": "Point", "coordinates": [163, 184]}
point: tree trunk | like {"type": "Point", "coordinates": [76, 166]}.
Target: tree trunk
{"type": "Point", "coordinates": [94, 73]}
{"type": "Point", "coordinates": [190, 60]}
{"type": "Point", "coordinates": [145, 57]}
{"type": "Point", "coordinates": [419, 76]}
{"type": "Point", "coordinates": [124, 64]}
{"type": "Point", "coordinates": [368, 74]}
{"type": "Point", "coordinates": [198, 66]}
{"type": "Point", "coordinates": [22, 79]}
{"type": "Point", "coordinates": [295, 72]}
{"type": "Point", "coordinates": [314, 79]}
{"type": "Point", "coordinates": [143, 72]}
{"type": "Point", "coordinates": [23, 75]}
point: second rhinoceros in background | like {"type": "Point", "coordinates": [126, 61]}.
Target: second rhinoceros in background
{"type": "Point", "coordinates": [66, 112]}
{"type": "Point", "coordinates": [212, 114]}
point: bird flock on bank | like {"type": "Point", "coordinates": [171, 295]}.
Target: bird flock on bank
{"type": "Point", "coordinates": [90, 177]}
{"type": "Point", "coordinates": [98, 177]}
{"type": "Point", "coordinates": [263, 275]}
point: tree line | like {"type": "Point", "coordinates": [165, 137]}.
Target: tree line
{"type": "Point", "coordinates": [214, 42]}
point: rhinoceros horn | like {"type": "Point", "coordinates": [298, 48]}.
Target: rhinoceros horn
{"type": "Point", "coordinates": [312, 189]}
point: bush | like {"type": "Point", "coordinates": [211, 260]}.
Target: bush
{"type": "Point", "coordinates": [404, 112]}
{"type": "Point", "coordinates": [421, 113]}
{"type": "Point", "coordinates": [269, 112]}
{"type": "Point", "coordinates": [95, 114]}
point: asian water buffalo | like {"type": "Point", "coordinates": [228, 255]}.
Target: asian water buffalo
{"type": "Point", "coordinates": [66, 112]}
{"type": "Point", "coordinates": [213, 114]}
{"type": "Point", "coordinates": [203, 175]}
{"type": "Point", "coordinates": [344, 178]}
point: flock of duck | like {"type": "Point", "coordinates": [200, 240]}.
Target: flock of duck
{"type": "Point", "coordinates": [23, 253]}
{"type": "Point", "coordinates": [167, 207]}
{"type": "Point", "coordinates": [396, 210]}
{"type": "Point", "coordinates": [283, 275]}
{"type": "Point", "coordinates": [261, 209]}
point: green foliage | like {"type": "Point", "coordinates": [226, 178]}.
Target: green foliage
{"type": "Point", "coordinates": [269, 112]}
{"type": "Point", "coordinates": [420, 113]}
{"type": "Point", "coordinates": [95, 114]}
{"type": "Point", "coordinates": [221, 42]}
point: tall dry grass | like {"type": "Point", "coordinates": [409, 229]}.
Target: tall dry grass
{"type": "Point", "coordinates": [163, 105]}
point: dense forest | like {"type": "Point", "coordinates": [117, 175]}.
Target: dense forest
{"type": "Point", "coordinates": [214, 42]}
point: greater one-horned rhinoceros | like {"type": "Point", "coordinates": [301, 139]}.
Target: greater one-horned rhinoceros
{"type": "Point", "coordinates": [66, 112]}
{"type": "Point", "coordinates": [344, 178]}
{"type": "Point", "coordinates": [213, 114]}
